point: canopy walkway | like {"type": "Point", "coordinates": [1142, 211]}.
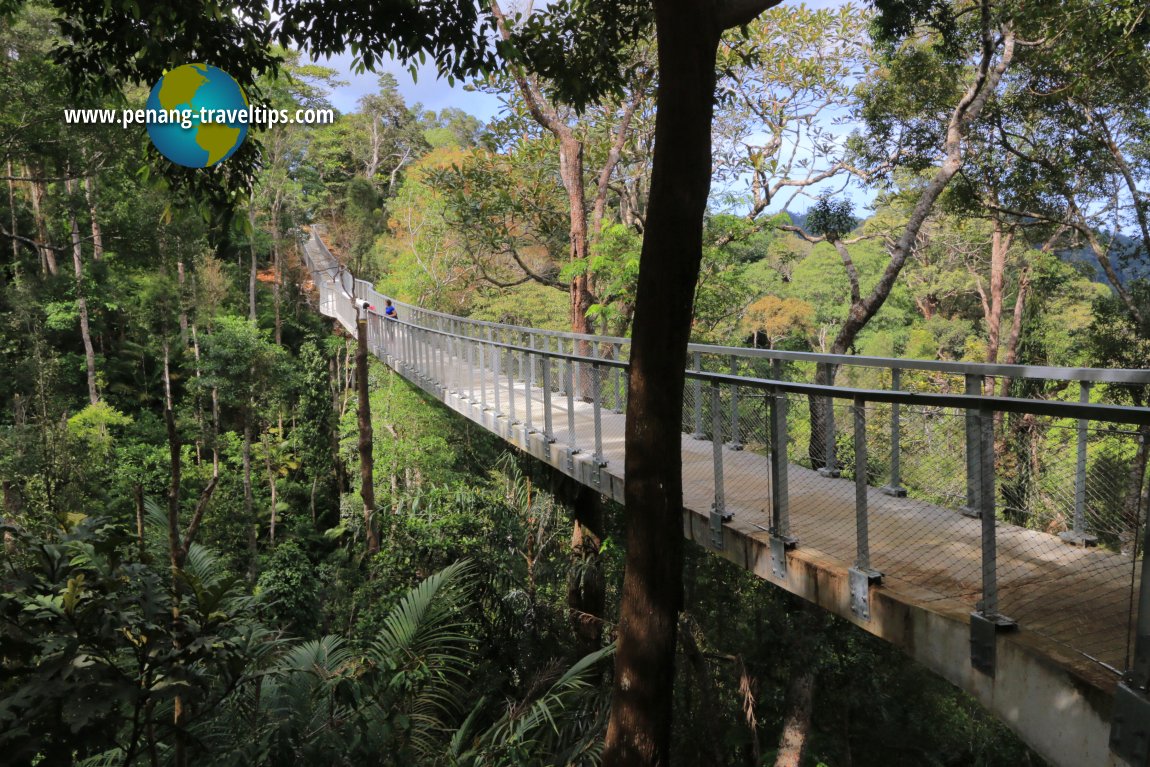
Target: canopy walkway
{"type": "Point", "coordinates": [999, 541]}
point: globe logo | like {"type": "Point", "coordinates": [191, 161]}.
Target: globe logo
{"type": "Point", "coordinates": [203, 94]}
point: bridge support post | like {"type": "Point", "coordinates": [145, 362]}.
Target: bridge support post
{"type": "Point", "coordinates": [1130, 721]}
{"type": "Point", "coordinates": [862, 576]}
{"type": "Point", "coordinates": [894, 487]}
{"type": "Point", "coordinates": [973, 444]}
{"type": "Point", "coordinates": [780, 530]}
{"type": "Point", "coordinates": [986, 623]}
{"type": "Point", "coordinates": [719, 513]}
{"type": "Point", "coordinates": [736, 440]}
{"type": "Point", "coordinates": [1078, 535]}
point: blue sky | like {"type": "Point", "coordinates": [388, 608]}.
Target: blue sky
{"type": "Point", "coordinates": [435, 94]}
{"type": "Point", "coordinates": [432, 92]}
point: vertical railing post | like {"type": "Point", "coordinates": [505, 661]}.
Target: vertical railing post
{"type": "Point", "coordinates": [973, 447]}
{"type": "Point", "coordinates": [861, 575]}
{"type": "Point", "coordinates": [986, 507]}
{"type": "Point", "coordinates": [496, 370]}
{"type": "Point", "coordinates": [572, 449]}
{"type": "Point", "coordinates": [618, 374]}
{"type": "Point", "coordinates": [780, 531]}
{"type": "Point", "coordinates": [597, 400]}
{"type": "Point", "coordinates": [987, 621]}
{"type": "Point", "coordinates": [482, 370]}
{"type": "Point", "coordinates": [529, 385]}
{"type": "Point", "coordinates": [470, 346]}
{"type": "Point", "coordinates": [736, 438]}
{"type": "Point", "coordinates": [719, 513]}
{"type": "Point", "coordinates": [1130, 720]}
{"type": "Point", "coordinates": [411, 363]}
{"type": "Point", "coordinates": [421, 352]}
{"type": "Point", "coordinates": [511, 358]}
{"type": "Point", "coordinates": [894, 487]}
{"type": "Point", "coordinates": [1078, 535]}
{"type": "Point", "coordinates": [519, 357]}
{"type": "Point", "coordinates": [862, 539]}
{"type": "Point", "coordinates": [548, 431]}
{"type": "Point", "coordinates": [697, 396]}
{"type": "Point", "coordinates": [440, 361]}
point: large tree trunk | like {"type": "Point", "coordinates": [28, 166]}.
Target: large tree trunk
{"type": "Point", "coordinates": [249, 501]}
{"type": "Point", "coordinates": [797, 725]}
{"type": "Point", "coordinates": [277, 268]}
{"type": "Point", "coordinates": [586, 588]}
{"type": "Point", "coordinates": [1015, 337]}
{"type": "Point", "coordinates": [253, 269]}
{"type": "Point", "coordinates": [81, 301]}
{"type": "Point", "coordinates": [13, 505]}
{"type": "Point", "coordinates": [571, 174]}
{"type": "Point", "coordinates": [14, 219]}
{"type": "Point", "coordinates": [97, 233]}
{"type": "Point", "coordinates": [571, 171]}
{"type": "Point", "coordinates": [639, 731]}
{"type": "Point", "coordinates": [863, 308]}
{"type": "Point", "coordinates": [181, 288]}
{"type": "Point", "coordinates": [366, 461]}
{"type": "Point", "coordinates": [1000, 243]}
{"type": "Point", "coordinates": [38, 194]}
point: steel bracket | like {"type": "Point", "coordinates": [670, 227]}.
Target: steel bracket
{"type": "Point", "coordinates": [970, 511]}
{"type": "Point", "coordinates": [1085, 540]}
{"type": "Point", "coordinates": [861, 580]}
{"type": "Point", "coordinates": [1130, 725]}
{"type": "Point", "coordinates": [718, 515]}
{"type": "Point", "coordinates": [984, 631]}
{"type": "Point", "coordinates": [893, 492]}
{"type": "Point", "coordinates": [779, 546]}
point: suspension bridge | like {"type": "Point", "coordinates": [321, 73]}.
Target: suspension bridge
{"type": "Point", "coordinates": [996, 540]}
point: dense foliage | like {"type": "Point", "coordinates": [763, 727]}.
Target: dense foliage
{"type": "Point", "coordinates": [184, 576]}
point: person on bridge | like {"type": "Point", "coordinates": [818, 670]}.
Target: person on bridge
{"type": "Point", "coordinates": [389, 310]}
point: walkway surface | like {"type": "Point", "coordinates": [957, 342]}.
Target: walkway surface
{"type": "Point", "coordinates": [1052, 679]}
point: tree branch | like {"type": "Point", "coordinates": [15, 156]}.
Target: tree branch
{"type": "Point", "coordinates": [736, 13]}
{"type": "Point", "coordinates": [28, 241]}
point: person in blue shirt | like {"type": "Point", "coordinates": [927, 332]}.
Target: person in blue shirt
{"type": "Point", "coordinates": [389, 310]}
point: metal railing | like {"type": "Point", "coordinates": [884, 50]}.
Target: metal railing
{"type": "Point", "coordinates": [1023, 507]}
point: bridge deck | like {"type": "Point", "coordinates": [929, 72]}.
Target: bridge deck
{"type": "Point", "coordinates": [1052, 680]}
{"type": "Point", "coordinates": [929, 553]}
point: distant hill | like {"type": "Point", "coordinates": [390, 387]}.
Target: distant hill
{"type": "Point", "coordinates": [1128, 269]}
